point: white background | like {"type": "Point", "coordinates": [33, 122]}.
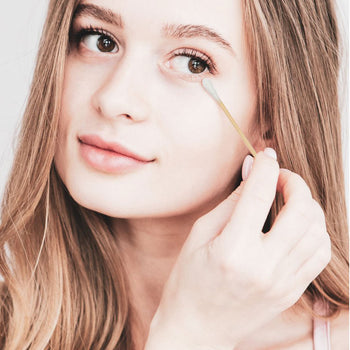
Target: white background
{"type": "Point", "coordinates": [20, 28]}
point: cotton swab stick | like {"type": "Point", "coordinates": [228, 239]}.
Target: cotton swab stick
{"type": "Point", "coordinates": [208, 86]}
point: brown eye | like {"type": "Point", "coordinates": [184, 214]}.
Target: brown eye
{"type": "Point", "coordinates": [105, 44]}
{"type": "Point", "coordinates": [196, 66]}
{"type": "Point", "coordinates": [191, 62]}
{"type": "Point", "coordinates": [99, 42]}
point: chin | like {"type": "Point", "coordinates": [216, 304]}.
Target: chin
{"type": "Point", "coordinates": [128, 210]}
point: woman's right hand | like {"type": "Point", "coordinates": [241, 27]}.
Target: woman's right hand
{"type": "Point", "coordinates": [230, 278]}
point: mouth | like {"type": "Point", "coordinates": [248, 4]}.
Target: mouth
{"type": "Point", "coordinates": [98, 142]}
{"type": "Point", "coordinates": [109, 157]}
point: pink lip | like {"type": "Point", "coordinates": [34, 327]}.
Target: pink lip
{"type": "Point", "coordinates": [109, 157]}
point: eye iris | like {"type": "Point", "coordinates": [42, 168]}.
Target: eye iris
{"type": "Point", "coordinates": [105, 44]}
{"type": "Point", "coordinates": [196, 66]}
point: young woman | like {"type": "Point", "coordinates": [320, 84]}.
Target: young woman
{"type": "Point", "coordinates": [129, 221]}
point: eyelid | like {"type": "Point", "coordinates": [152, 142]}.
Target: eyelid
{"type": "Point", "coordinates": [190, 52]}
{"type": "Point", "coordinates": [82, 31]}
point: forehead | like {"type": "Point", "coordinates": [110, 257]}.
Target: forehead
{"type": "Point", "coordinates": [224, 16]}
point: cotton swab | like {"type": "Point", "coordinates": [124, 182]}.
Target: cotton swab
{"type": "Point", "coordinates": [208, 86]}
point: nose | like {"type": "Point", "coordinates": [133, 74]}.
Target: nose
{"type": "Point", "coordinates": [122, 92]}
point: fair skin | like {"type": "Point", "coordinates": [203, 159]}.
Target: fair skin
{"type": "Point", "coordinates": [140, 95]}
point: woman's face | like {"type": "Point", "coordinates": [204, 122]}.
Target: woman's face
{"type": "Point", "coordinates": [133, 77]}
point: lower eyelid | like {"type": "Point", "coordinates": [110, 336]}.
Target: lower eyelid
{"type": "Point", "coordinates": [195, 78]}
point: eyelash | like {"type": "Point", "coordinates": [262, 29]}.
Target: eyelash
{"type": "Point", "coordinates": [84, 31]}
{"type": "Point", "coordinates": [199, 56]}
{"type": "Point", "coordinates": [191, 53]}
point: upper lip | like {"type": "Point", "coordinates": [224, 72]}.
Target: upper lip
{"type": "Point", "coordinates": [97, 141]}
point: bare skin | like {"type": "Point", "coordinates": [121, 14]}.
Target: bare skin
{"type": "Point", "coordinates": [193, 156]}
{"type": "Point", "coordinates": [150, 257]}
{"type": "Point", "coordinates": [149, 263]}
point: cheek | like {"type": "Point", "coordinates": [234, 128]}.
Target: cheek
{"type": "Point", "coordinates": [74, 97]}
{"type": "Point", "coordinates": [191, 120]}
{"type": "Point", "coordinates": [198, 128]}
{"type": "Point", "coordinates": [202, 152]}
{"type": "Point", "coordinates": [76, 105]}
{"type": "Point", "coordinates": [77, 89]}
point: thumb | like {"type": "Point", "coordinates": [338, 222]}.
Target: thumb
{"type": "Point", "coordinates": [210, 225]}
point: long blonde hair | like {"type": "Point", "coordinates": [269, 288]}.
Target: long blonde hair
{"type": "Point", "coordinates": [64, 281]}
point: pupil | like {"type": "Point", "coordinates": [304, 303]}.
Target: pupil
{"type": "Point", "coordinates": [105, 44]}
{"type": "Point", "coordinates": [196, 66]}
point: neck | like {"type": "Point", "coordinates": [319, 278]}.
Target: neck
{"type": "Point", "coordinates": [149, 248]}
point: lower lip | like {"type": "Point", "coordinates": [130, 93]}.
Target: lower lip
{"type": "Point", "coordinates": [108, 161]}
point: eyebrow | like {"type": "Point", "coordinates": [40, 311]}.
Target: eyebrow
{"type": "Point", "coordinates": [175, 31]}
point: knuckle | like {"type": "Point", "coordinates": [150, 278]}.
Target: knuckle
{"type": "Point", "coordinates": [328, 241]}
{"type": "Point", "coordinates": [304, 250]}
{"type": "Point", "coordinates": [234, 196]}
{"type": "Point", "coordinates": [260, 190]}
{"type": "Point", "coordinates": [237, 192]}
{"type": "Point", "coordinates": [254, 280]}
{"type": "Point", "coordinates": [228, 265]}
{"type": "Point", "coordinates": [327, 249]}
{"type": "Point", "coordinates": [317, 232]}
{"type": "Point", "coordinates": [288, 299]}
{"type": "Point", "coordinates": [298, 179]}
{"type": "Point", "coordinates": [301, 207]}
{"type": "Point", "coordinates": [301, 184]}
{"type": "Point", "coordinates": [308, 209]}
{"type": "Point", "coordinates": [261, 195]}
{"type": "Point", "coordinates": [324, 257]}
{"type": "Point", "coordinates": [313, 238]}
{"type": "Point", "coordinates": [318, 212]}
{"type": "Point", "coordinates": [324, 238]}
{"type": "Point", "coordinates": [261, 281]}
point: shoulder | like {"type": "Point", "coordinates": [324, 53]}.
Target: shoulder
{"type": "Point", "coordinates": [340, 331]}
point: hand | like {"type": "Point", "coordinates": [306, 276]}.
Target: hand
{"type": "Point", "coordinates": [230, 278]}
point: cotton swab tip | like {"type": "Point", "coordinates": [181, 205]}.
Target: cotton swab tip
{"type": "Point", "coordinates": [208, 86]}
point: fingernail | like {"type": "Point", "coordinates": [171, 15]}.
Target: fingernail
{"type": "Point", "coordinates": [247, 167]}
{"type": "Point", "coordinates": [270, 152]}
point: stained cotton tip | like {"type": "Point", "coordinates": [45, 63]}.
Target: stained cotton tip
{"type": "Point", "coordinates": [208, 86]}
